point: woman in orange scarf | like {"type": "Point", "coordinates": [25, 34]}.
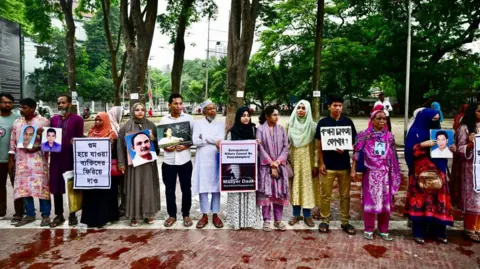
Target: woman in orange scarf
{"type": "Point", "coordinates": [100, 206]}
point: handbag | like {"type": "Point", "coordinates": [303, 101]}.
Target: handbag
{"type": "Point", "coordinates": [114, 170]}
{"type": "Point", "coordinates": [430, 180]}
{"type": "Point", "coordinates": [289, 170]}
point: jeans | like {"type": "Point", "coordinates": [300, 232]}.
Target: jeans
{"type": "Point", "coordinates": [45, 207]}
{"type": "Point", "coordinates": [169, 175]}
{"type": "Point", "coordinates": [306, 211]}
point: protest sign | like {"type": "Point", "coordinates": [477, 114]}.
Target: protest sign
{"type": "Point", "coordinates": [52, 140]}
{"type": "Point", "coordinates": [141, 149]}
{"type": "Point", "coordinates": [444, 139]}
{"type": "Point", "coordinates": [172, 134]}
{"type": "Point", "coordinates": [338, 137]}
{"type": "Point", "coordinates": [92, 163]}
{"type": "Point", "coordinates": [238, 166]}
{"type": "Point", "coordinates": [476, 164]}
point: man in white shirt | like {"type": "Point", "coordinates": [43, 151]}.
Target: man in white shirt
{"type": "Point", "coordinates": [387, 107]}
{"type": "Point", "coordinates": [442, 142]}
{"type": "Point", "coordinates": [177, 161]}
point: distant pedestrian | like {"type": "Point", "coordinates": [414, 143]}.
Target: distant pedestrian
{"type": "Point", "coordinates": [381, 177]}
{"type": "Point", "coordinates": [150, 112]}
{"type": "Point", "coordinates": [387, 107]}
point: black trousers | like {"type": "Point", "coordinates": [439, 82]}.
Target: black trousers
{"type": "Point", "coordinates": [169, 175]}
{"type": "Point", "coordinates": [18, 203]}
{"type": "Point", "coordinates": [58, 203]}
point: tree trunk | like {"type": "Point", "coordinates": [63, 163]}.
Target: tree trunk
{"type": "Point", "coordinates": [67, 9]}
{"type": "Point", "coordinates": [138, 28]}
{"type": "Point", "coordinates": [243, 16]}
{"type": "Point", "coordinates": [179, 47]}
{"type": "Point", "coordinates": [317, 59]}
{"type": "Point", "coordinates": [117, 75]}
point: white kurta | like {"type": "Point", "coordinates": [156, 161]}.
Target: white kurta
{"type": "Point", "coordinates": [206, 173]}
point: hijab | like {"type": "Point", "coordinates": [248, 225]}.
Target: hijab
{"type": "Point", "coordinates": [412, 119]}
{"type": "Point", "coordinates": [419, 132]}
{"type": "Point", "coordinates": [115, 114]}
{"type": "Point", "coordinates": [376, 109]}
{"type": "Point", "coordinates": [301, 131]}
{"type": "Point", "coordinates": [131, 124]}
{"type": "Point", "coordinates": [436, 106]}
{"type": "Point", "coordinates": [103, 131]}
{"type": "Point", "coordinates": [241, 131]}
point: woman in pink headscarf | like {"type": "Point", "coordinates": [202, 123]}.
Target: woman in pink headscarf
{"type": "Point", "coordinates": [375, 109]}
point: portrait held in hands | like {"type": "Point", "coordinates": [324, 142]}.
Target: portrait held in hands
{"type": "Point", "coordinates": [444, 139]}
{"type": "Point", "coordinates": [52, 140]}
{"type": "Point", "coordinates": [141, 149]}
{"type": "Point", "coordinates": [27, 137]}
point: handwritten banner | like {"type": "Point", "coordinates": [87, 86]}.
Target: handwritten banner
{"type": "Point", "coordinates": [92, 163]}
{"type": "Point", "coordinates": [238, 166]}
{"type": "Point", "coordinates": [338, 137]}
{"type": "Point", "coordinates": [476, 165]}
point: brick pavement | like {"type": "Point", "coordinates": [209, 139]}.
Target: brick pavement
{"type": "Point", "coordinates": [226, 249]}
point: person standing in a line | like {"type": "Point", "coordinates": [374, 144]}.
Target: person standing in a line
{"type": "Point", "coordinates": [61, 162]}
{"type": "Point", "coordinates": [387, 108]}
{"type": "Point", "coordinates": [116, 114]}
{"type": "Point", "coordinates": [177, 162]}
{"type": "Point", "coordinates": [242, 208]}
{"type": "Point", "coordinates": [207, 135]}
{"type": "Point", "coordinates": [304, 187]}
{"type": "Point", "coordinates": [142, 185]}
{"type": "Point", "coordinates": [273, 190]}
{"type": "Point", "coordinates": [7, 117]}
{"type": "Point", "coordinates": [381, 176]}
{"type": "Point", "coordinates": [31, 166]}
{"type": "Point", "coordinates": [100, 206]}
{"type": "Point", "coordinates": [335, 165]}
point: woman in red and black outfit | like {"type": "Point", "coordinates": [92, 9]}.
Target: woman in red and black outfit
{"type": "Point", "coordinates": [430, 209]}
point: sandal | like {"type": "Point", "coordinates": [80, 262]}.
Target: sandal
{"type": "Point", "coordinates": [442, 240]}
{"type": "Point", "coordinates": [348, 228]}
{"type": "Point", "coordinates": [293, 220]}
{"type": "Point", "coordinates": [72, 220]}
{"type": "Point", "coordinates": [169, 222]}
{"type": "Point", "coordinates": [45, 222]}
{"type": "Point", "coordinates": [309, 222]}
{"type": "Point", "coordinates": [149, 220]}
{"type": "Point", "coordinates": [266, 226]}
{"type": "Point", "coordinates": [323, 227]}
{"type": "Point", "coordinates": [57, 221]}
{"type": "Point", "coordinates": [187, 222]}
{"type": "Point", "coordinates": [26, 220]}
{"type": "Point", "coordinates": [134, 223]}
{"type": "Point", "coordinates": [15, 220]}
{"type": "Point", "coordinates": [368, 235]}
{"type": "Point", "coordinates": [385, 236]}
{"type": "Point", "coordinates": [280, 226]}
{"type": "Point", "coordinates": [472, 236]}
{"type": "Point", "coordinates": [419, 240]}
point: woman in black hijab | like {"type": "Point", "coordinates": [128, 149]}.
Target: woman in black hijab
{"type": "Point", "coordinates": [242, 209]}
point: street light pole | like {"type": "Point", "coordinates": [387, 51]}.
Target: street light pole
{"type": "Point", "coordinates": [208, 56]}
{"type": "Point", "coordinates": [407, 80]}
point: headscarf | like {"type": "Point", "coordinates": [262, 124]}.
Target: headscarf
{"type": "Point", "coordinates": [301, 131]}
{"type": "Point", "coordinates": [376, 109]}
{"type": "Point", "coordinates": [105, 130]}
{"type": "Point", "coordinates": [412, 119]}
{"type": "Point", "coordinates": [115, 114]}
{"type": "Point", "coordinates": [241, 131]}
{"type": "Point", "coordinates": [205, 104]}
{"type": "Point", "coordinates": [436, 106]}
{"type": "Point", "coordinates": [419, 132]}
{"type": "Point", "coordinates": [458, 118]}
{"type": "Point", "coordinates": [130, 125]}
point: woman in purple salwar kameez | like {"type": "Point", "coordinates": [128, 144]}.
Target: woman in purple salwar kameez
{"type": "Point", "coordinates": [273, 176]}
{"type": "Point", "coordinates": [381, 177]}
